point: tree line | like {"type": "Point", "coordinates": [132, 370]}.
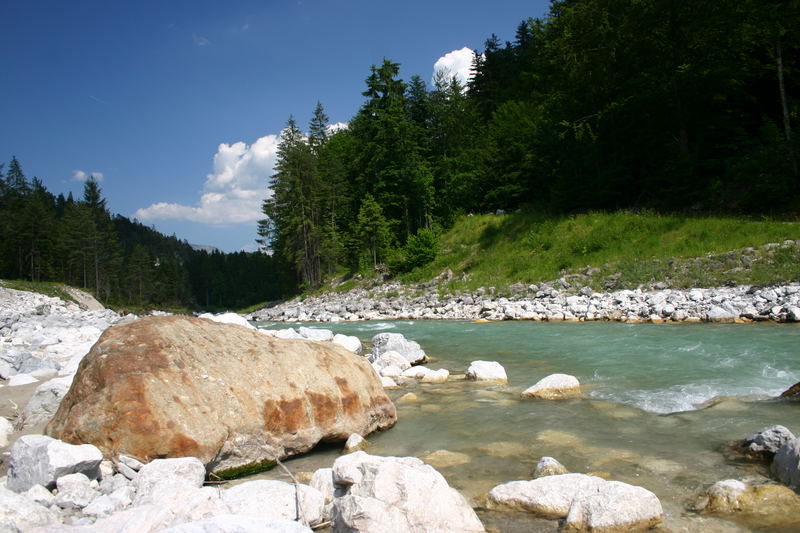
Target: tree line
{"type": "Point", "coordinates": [599, 105]}
{"type": "Point", "coordinates": [44, 237]}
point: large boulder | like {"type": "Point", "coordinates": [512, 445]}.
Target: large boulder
{"type": "Point", "coordinates": [397, 494]}
{"type": "Point", "coordinates": [410, 350]}
{"type": "Point", "coordinates": [178, 386]}
{"type": "Point", "coordinates": [585, 502]}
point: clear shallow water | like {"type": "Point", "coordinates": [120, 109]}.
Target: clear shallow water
{"type": "Point", "coordinates": [661, 401]}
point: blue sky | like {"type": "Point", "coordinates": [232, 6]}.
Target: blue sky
{"type": "Point", "coordinates": [176, 105]}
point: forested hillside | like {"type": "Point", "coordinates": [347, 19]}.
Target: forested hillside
{"type": "Point", "coordinates": [602, 105]}
{"type": "Point", "coordinates": [52, 238]}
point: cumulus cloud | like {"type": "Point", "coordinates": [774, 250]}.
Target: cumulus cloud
{"type": "Point", "coordinates": [233, 192]}
{"type": "Point", "coordinates": [80, 175]}
{"type": "Point", "coordinates": [457, 62]}
{"type": "Point", "coordinates": [339, 126]}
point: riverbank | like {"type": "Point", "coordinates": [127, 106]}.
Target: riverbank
{"type": "Point", "coordinates": [562, 300]}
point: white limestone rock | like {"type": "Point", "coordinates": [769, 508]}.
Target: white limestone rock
{"type": "Point", "coordinates": [436, 376]}
{"type": "Point", "coordinates": [272, 499]}
{"type": "Point", "coordinates": [768, 440]}
{"type": "Point", "coordinates": [348, 342]}
{"type": "Point", "coordinates": [410, 350]}
{"type": "Point", "coordinates": [131, 462]}
{"type": "Point", "coordinates": [355, 442]}
{"type": "Point", "coordinates": [107, 504]}
{"type": "Point", "coordinates": [390, 358]}
{"type": "Point", "coordinates": [21, 379]}
{"type": "Point", "coordinates": [322, 480]}
{"type": "Point", "coordinates": [390, 371]}
{"type": "Point", "coordinates": [314, 334]}
{"type": "Point", "coordinates": [40, 495]}
{"type": "Point", "coordinates": [228, 318]}
{"type": "Point", "coordinates": [397, 494]}
{"type": "Point", "coordinates": [75, 491]}
{"type": "Point", "coordinates": [586, 502]}
{"type": "Point", "coordinates": [487, 371]}
{"type": "Point", "coordinates": [163, 475]}
{"type": "Point", "coordinates": [113, 483]}
{"type": "Point", "coordinates": [554, 387]}
{"type": "Point", "coordinates": [20, 513]}
{"type": "Point", "coordinates": [388, 383]}
{"type": "Point", "coordinates": [176, 504]}
{"type": "Point", "coordinates": [614, 506]}
{"type": "Point", "coordinates": [44, 402]}
{"type": "Point", "coordinates": [6, 429]}
{"type": "Point", "coordinates": [230, 523]}
{"type": "Point", "coordinates": [38, 459]}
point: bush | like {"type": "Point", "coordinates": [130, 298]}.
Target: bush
{"type": "Point", "coordinates": [420, 250]}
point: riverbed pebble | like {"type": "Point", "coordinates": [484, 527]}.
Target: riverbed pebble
{"type": "Point", "coordinates": [550, 301]}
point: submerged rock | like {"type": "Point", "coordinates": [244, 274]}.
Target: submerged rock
{"type": "Point", "coordinates": [764, 505]}
{"type": "Point", "coordinates": [180, 386]}
{"type": "Point", "coordinates": [554, 387]}
{"type": "Point", "coordinates": [547, 466]}
{"type": "Point", "coordinates": [397, 494]}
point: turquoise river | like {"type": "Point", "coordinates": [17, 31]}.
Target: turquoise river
{"type": "Point", "coordinates": [660, 403]}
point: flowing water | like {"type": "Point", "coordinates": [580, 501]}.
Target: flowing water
{"type": "Point", "coordinates": [660, 403]}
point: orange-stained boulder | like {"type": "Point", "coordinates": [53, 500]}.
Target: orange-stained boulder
{"type": "Point", "coordinates": [180, 386]}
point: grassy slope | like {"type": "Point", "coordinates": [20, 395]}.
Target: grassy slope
{"type": "Point", "coordinates": [499, 250]}
{"type": "Point", "coordinates": [47, 288]}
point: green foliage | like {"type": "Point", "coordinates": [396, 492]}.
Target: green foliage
{"type": "Point", "coordinates": [50, 241]}
{"type": "Point", "coordinates": [499, 250]}
{"type": "Point", "coordinates": [256, 467]}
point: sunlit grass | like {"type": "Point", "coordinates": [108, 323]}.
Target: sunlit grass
{"type": "Point", "coordinates": [499, 250]}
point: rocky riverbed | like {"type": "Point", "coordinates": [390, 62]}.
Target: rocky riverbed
{"type": "Point", "coordinates": [552, 301]}
{"type": "Point", "coordinates": [55, 486]}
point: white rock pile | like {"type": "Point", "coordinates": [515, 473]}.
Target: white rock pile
{"type": "Point", "coordinates": [546, 302]}
{"type": "Point", "coordinates": [42, 337]}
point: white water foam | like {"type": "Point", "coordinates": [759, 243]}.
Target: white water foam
{"type": "Point", "coordinates": [684, 397]}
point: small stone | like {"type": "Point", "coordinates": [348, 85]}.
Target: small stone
{"type": "Point", "coordinates": [355, 442]}
{"type": "Point", "coordinates": [486, 371]}
{"type": "Point", "coordinates": [74, 491]}
{"type": "Point", "coordinates": [547, 466]}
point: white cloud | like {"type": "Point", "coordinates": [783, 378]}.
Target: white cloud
{"type": "Point", "coordinates": [80, 175]}
{"type": "Point", "coordinates": [233, 193]}
{"type": "Point", "coordinates": [457, 62]}
{"type": "Point", "coordinates": [339, 126]}
{"type": "Point", "coordinates": [199, 40]}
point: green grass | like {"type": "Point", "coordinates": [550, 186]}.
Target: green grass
{"type": "Point", "coordinates": [499, 250]}
{"type": "Point", "coordinates": [43, 287]}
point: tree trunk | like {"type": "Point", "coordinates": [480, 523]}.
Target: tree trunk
{"type": "Point", "coordinates": [787, 128]}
